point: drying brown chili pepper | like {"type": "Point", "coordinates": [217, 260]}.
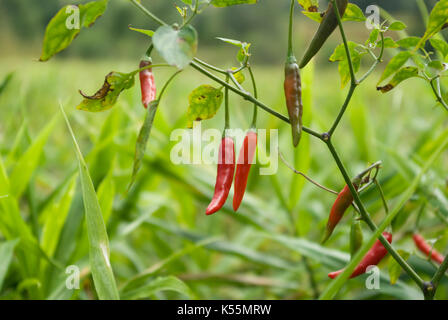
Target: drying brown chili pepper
{"type": "Point", "coordinates": [326, 28]}
{"type": "Point", "coordinates": [224, 177]}
{"type": "Point", "coordinates": [425, 248]}
{"type": "Point", "coordinates": [147, 83]}
{"type": "Point", "coordinates": [243, 166]}
{"type": "Point", "coordinates": [293, 88]}
{"type": "Point", "coordinates": [293, 94]}
{"type": "Point", "coordinates": [372, 258]}
{"type": "Point", "coordinates": [342, 203]}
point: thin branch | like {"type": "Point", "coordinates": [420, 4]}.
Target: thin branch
{"type": "Point", "coordinates": [148, 13]}
{"type": "Point", "coordinates": [304, 175]}
{"type": "Point", "coordinates": [344, 38]}
{"type": "Point", "coordinates": [383, 198]}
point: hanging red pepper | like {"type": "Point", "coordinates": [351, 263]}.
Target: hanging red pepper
{"type": "Point", "coordinates": [425, 248]}
{"type": "Point", "coordinates": [342, 203]}
{"type": "Point", "coordinates": [224, 177]}
{"type": "Point", "coordinates": [372, 258]}
{"type": "Point", "coordinates": [147, 83]}
{"type": "Point", "coordinates": [245, 158]}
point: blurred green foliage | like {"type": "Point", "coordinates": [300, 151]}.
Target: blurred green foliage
{"type": "Point", "coordinates": [23, 24]}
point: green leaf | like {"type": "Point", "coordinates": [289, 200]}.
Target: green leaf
{"type": "Point", "coordinates": [29, 161]}
{"type": "Point", "coordinates": [54, 218]}
{"type": "Point", "coordinates": [62, 29]}
{"type": "Point", "coordinates": [437, 65]}
{"type": "Point", "coordinates": [204, 102]}
{"type": "Point", "coordinates": [177, 47]}
{"type": "Point", "coordinates": [6, 254]}
{"type": "Point", "coordinates": [6, 81]}
{"type": "Point", "coordinates": [340, 55]}
{"type": "Point", "coordinates": [100, 266]}
{"type": "Point", "coordinates": [397, 26]}
{"type": "Point", "coordinates": [409, 42]}
{"type": "Point", "coordinates": [106, 195]}
{"type": "Point", "coordinates": [142, 139]}
{"type": "Point", "coordinates": [149, 33]}
{"type": "Point", "coordinates": [309, 5]}
{"type": "Point", "coordinates": [106, 97]}
{"type": "Point", "coordinates": [227, 3]}
{"type": "Point", "coordinates": [373, 36]}
{"type": "Point", "coordinates": [403, 74]}
{"type": "Point", "coordinates": [437, 19]}
{"type": "Point", "coordinates": [315, 16]}
{"type": "Point", "coordinates": [239, 76]}
{"type": "Point", "coordinates": [353, 13]}
{"type": "Point", "coordinates": [169, 283]}
{"type": "Point", "coordinates": [225, 247]}
{"type": "Point", "coordinates": [395, 64]}
{"type": "Point", "coordinates": [243, 53]}
{"type": "Point", "coordinates": [394, 268]}
{"type": "Point", "coordinates": [388, 43]}
{"type": "Point", "coordinates": [440, 46]}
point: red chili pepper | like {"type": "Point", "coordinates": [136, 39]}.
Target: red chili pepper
{"type": "Point", "coordinates": [372, 258]}
{"type": "Point", "coordinates": [425, 248]}
{"type": "Point", "coordinates": [224, 177]}
{"type": "Point", "coordinates": [245, 158]}
{"type": "Point", "coordinates": [147, 83]}
{"type": "Point", "coordinates": [342, 203]}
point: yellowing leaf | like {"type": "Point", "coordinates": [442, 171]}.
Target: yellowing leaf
{"type": "Point", "coordinates": [204, 103]}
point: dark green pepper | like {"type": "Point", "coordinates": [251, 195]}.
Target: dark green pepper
{"type": "Point", "coordinates": [326, 28]}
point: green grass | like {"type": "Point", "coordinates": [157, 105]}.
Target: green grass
{"type": "Point", "coordinates": [162, 245]}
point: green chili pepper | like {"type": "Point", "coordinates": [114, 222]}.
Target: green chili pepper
{"type": "Point", "coordinates": [356, 237]}
{"type": "Point", "coordinates": [326, 28]}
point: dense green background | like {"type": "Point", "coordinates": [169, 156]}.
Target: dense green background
{"type": "Point", "coordinates": [254, 254]}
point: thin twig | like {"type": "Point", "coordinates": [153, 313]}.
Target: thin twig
{"type": "Point", "coordinates": [304, 175]}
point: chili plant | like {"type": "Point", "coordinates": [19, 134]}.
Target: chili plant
{"type": "Point", "coordinates": [177, 44]}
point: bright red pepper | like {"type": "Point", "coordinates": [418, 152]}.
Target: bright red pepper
{"type": "Point", "coordinates": [425, 248]}
{"type": "Point", "coordinates": [372, 258]}
{"type": "Point", "coordinates": [224, 177]}
{"type": "Point", "coordinates": [245, 158]}
{"type": "Point", "coordinates": [342, 203]}
{"type": "Point", "coordinates": [147, 83]}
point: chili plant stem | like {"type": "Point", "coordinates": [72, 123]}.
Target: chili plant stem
{"type": "Point", "coordinates": [438, 96]}
{"type": "Point", "coordinates": [209, 66]}
{"type": "Point", "coordinates": [366, 217]}
{"type": "Point", "coordinates": [254, 84]}
{"type": "Point", "coordinates": [344, 38]}
{"type": "Point", "coordinates": [343, 109]}
{"type": "Point", "coordinates": [377, 61]}
{"type": "Point", "coordinates": [439, 274]}
{"type": "Point", "coordinates": [248, 97]}
{"type": "Point", "coordinates": [148, 13]}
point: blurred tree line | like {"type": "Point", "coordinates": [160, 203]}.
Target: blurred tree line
{"type": "Point", "coordinates": [23, 25]}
